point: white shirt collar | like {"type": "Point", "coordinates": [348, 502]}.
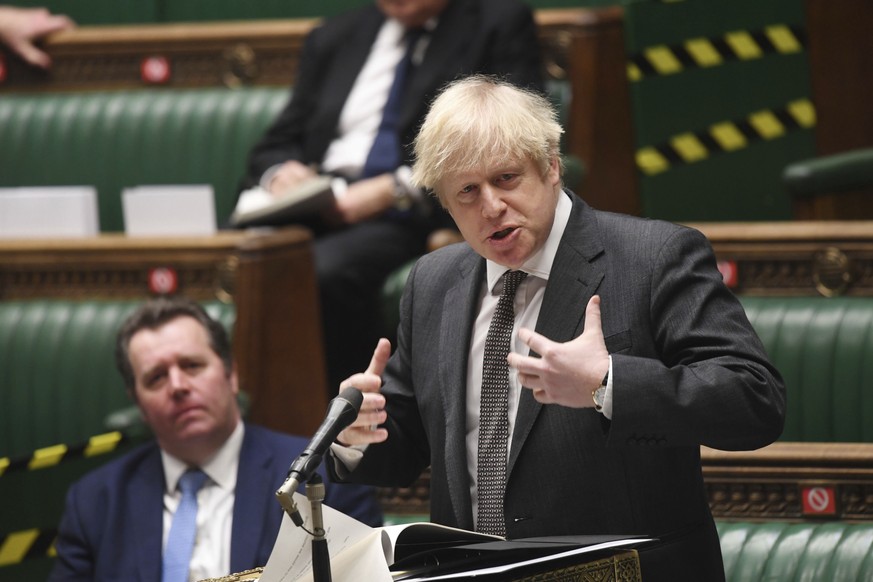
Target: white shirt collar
{"type": "Point", "coordinates": [540, 263]}
{"type": "Point", "coordinates": [221, 468]}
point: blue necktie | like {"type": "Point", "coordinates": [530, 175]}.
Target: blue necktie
{"type": "Point", "coordinates": [385, 156]}
{"type": "Point", "coordinates": [183, 531]}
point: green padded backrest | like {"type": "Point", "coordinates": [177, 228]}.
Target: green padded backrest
{"type": "Point", "coordinates": [776, 551]}
{"type": "Point", "coordinates": [715, 87]}
{"type": "Point", "coordinates": [58, 380]}
{"type": "Point", "coordinates": [823, 349]}
{"type": "Point", "coordinates": [118, 139]}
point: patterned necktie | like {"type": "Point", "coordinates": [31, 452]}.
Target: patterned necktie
{"type": "Point", "coordinates": [384, 155]}
{"type": "Point", "coordinates": [493, 415]}
{"type": "Point", "coordinates": [183, 531]}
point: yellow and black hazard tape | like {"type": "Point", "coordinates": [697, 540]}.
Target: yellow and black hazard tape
{"type": "Point", "coordinates": [29, 544]}
{"type": "Point", "coordinates": [702, 52]}
{"type": "Point", "coordinates": [726, 136]}
{"type": "Point", "coordinates": [50, 456]}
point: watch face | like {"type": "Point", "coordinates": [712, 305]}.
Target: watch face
{"type": "Point", "coordinates": [598, 396]}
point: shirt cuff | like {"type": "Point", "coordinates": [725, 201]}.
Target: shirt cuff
{"type": "Point", "coordinates": [607, 394]}
{"type": "Point", "coordinates": [268, 175]}
{"type": "Point", "coordinates": [346, 458]}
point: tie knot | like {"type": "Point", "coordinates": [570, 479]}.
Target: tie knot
{"type": "Point", "coordinates": [191, 481]}
{"type": "Point", "coordinates": [511, 281]}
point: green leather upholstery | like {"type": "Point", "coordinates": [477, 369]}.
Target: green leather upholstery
{"type": "Point", "coordinates": [57, 370]}
{"type": "Point", "coordinates": [118, 139]}
{"type": "Point", "coordinates": [776, 551]}
{"type": "Point", "coordinates": [843, 172]}
{"type": "Point", "coordinates": [823, 348]}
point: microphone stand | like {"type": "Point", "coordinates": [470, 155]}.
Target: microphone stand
{"type": "Point", "coordinates": [320, 554]}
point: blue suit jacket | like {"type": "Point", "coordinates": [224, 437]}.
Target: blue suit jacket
{"type": "Point", "coordinates": [113, 521]}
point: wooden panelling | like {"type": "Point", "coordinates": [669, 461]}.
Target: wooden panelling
{"type": "Point", "coordinates": [825, 258]}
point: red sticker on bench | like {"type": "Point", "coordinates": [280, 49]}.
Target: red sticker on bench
{"type": "Point", "coordinates": [155, 70]}
{"type": "Point", "coordinates": [728, 270]}
{"type": "Point", "coordinates": [819, 501]}
{"type": "Point", "coordinates": [163, 281]}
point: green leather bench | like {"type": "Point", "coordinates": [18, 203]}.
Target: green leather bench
{"type": "Point", "coordinates": [118, 139]}
{"type": "Point", "coordinates": [777, 551]}
{"type": "Point", "coordinates": [57, 368]}
{"type": "Point", "coordinates": [823, 348]}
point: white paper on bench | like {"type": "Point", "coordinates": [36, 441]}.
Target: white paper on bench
{"type": "Point", "coordinates": [48, 212]}
{"type": "Point", "coordinates": [169, 210]}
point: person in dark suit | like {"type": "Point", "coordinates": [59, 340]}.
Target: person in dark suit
{"type": "Point", "coordinates": [380, 221]}
{"type": "Point", "coordinates": [176, 363]}
{"type": "Point", "coordinates": [627, 352]}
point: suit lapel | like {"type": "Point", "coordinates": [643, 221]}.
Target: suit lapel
{"type": "Point", "coordinates": [573, 280]}
{"type": "Point", "coordinates": [146, 515]}
{"type": "Point", "coordinates": [250, 503]}
{"type": "Point", "coordinates": [459, 307]}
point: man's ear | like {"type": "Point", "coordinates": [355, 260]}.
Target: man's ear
{"type": "Point", "coordinates": [554, 172]}
{"type": "Point", "coordinates": [234, 379]}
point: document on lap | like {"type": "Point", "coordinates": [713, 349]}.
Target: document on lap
{"type": "Point", "coordinates": [257, 207]}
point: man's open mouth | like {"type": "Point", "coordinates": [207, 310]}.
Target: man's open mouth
{"type": "Point", "coordinates": [501, 234]}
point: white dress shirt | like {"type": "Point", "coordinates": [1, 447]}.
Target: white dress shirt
{"type": "Point", "coordinates": [211, 556]}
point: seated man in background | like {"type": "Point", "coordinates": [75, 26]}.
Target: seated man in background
{"type": "Point", "coordinates": [365, 80]}
{"type": "Point", "coordinates": [20, 28]}
{"type": "Point", "coordinates": [559, 371]}
{"type": "Point", "coordinates": [126, 520]}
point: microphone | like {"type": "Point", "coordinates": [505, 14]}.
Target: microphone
{"type": "Point", "coordinates": [341, 412]}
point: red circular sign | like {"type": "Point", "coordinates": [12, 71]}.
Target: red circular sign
{"type": "Point", "coordinates": [155, 70]}
{"type": "Point", "coordinates": [163, 281]}
{"type": "Point", "coordinates": [819, 500]}
{"type": "Point", "coordinates": [728, 270]}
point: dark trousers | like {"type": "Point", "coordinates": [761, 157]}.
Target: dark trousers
{"type": "Point", "coordinates": [351, 266]}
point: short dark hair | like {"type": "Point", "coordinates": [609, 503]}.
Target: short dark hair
{"type": "Point", "coordinates": [155, 313]}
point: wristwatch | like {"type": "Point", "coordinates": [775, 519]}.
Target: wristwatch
{"type": "Point", "coordinates": [599, 393]}
{"type": "Point", "coordinates": [402, 195]}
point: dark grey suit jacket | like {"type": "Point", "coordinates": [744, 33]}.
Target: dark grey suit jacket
{"type": "Point", "coordinates": [688, 369]}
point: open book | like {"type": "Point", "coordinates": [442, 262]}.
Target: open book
{"type": "Point", "coordinates": [257, 207]}
{"type": "Point", "coordinates": [418, 551]}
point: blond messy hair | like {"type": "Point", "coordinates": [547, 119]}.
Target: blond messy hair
{"type": "Point", "coordinates": [479, 121]}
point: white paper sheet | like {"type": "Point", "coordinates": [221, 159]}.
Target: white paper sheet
{"type": "Point", "coordinates": [355, 549]}
{"type": "Point", "coordinates": [169, 210]}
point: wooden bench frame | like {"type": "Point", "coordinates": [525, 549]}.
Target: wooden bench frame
{"type": "Point", "coordinates": [802, 258]}
{"type": "Point", "coordinates": [268, 275]}
{"type": "Point", "coordinates": [791, 481]}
